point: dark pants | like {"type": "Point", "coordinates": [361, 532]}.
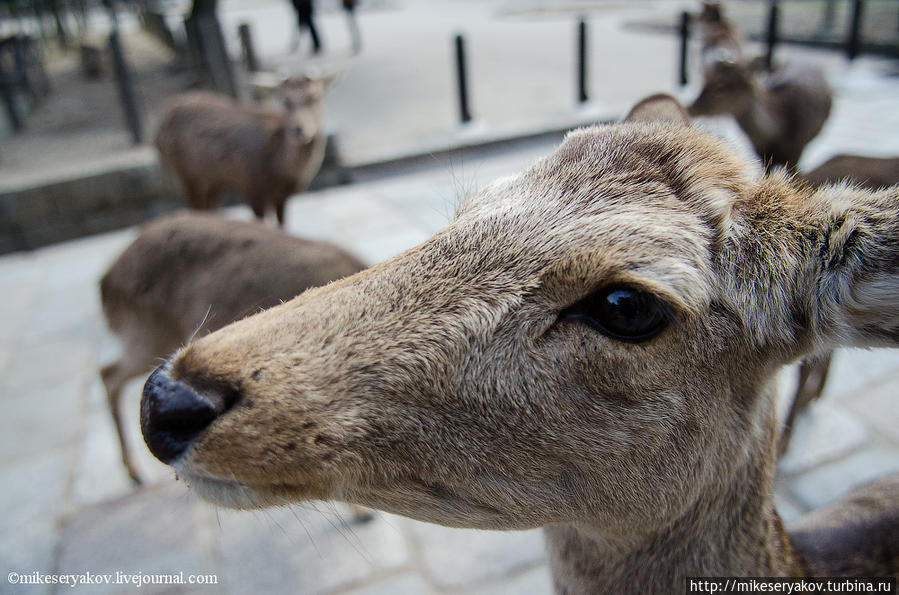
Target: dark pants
{"type": "Point", "coordinates": [304, 20]}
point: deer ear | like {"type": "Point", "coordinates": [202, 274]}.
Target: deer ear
{"type": "Point", "coordinates": [659, 108]}
{"type": "Point", "coordinates": [856, 266]}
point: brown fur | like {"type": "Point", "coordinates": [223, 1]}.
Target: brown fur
{"type": "Point", "coordinates": [867, 172]}
{"type": "Point", "coordinates": [188, 275]}
{"type": "Point", "coordinates": [780, 114]}
{"type": "Point", "coordinates": [450, 385]}
{"type": "Point", "coordinates": [721, 41]}
{"type": "Point", "coordinates": [213, 144]}
{"type": "Point", "coordinates": [872, 173]}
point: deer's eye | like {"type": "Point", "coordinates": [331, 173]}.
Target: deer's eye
{"type": "Point", "coordinates": [621, 313]}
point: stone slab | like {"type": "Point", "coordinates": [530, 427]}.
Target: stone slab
{"type": "Point", "coordinates": [305, 550]}
{"type": "Point", "coordinates": [460, 558]}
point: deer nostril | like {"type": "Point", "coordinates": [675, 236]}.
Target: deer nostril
{"type": "Point", "coordinates": [172, 415]}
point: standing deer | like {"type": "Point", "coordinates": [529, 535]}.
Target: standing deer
{"type": "Point", "coordinates": [780, 114]}
{"type": "Point", "coordinates": [212, 143]}
{"type": "Point", "coordinates": [721, 41]}
{"type": "Point", "coordinates": [190, 274]}
{"type": "Point", "coordinates": [590, 347]}
{"type": "Point", "coordinates": [872, 173]}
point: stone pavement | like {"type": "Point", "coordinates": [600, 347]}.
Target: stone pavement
{"type": "Point", "coordinates": [67, 506]}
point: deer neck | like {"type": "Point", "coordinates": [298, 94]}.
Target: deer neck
{"type": "Point", "coordinates": [760, 119]}
{"type": "Point", "coordinates": [732, 530]}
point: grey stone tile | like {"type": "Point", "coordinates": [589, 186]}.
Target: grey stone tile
{"type": "Point", "coordinates": [407, 583]}
{"type": "Point", "coordinates": [429, 205]}
{"type": "Point", "coordinates": [17, 302]}
{"type": "Point", "coordinates": [19, 269]}
{"type": "Point", "coordinates": [826, 484]}
{"type": "Point", "coordinates": [823, 432]}
{"type": "Point", "coordinates": [62, 361]}
{"type": "Point", "coordinates": [877, 406]}
{"type": "Point", "coordinates": [537, 581]}
{"type": "Point", "coordinates": [785, 505]}
{"type": "Point", "coordinates": [83, 260]}
{"type": "Point", "coordinates": [32, 553]}
{"type": "Point", "coordinates": [305, 218]}
{"type": "Point", "coordinates": [380, 248]}
{"type": "Point", "coordinates": [155, 531]}
{"type": "Point", "coordinates": [73, 312]}
{"type": "Point", "coordinates": [5, 356]}
{"type": "Point", "coordinates": [34, 491]}
{"type": "Point", "coordinates": [100, 474]}
{"type": "Point", "coordinates": [40, 420]}
{"type": "Point", "coordinates": [461, 558]}
{"type": "Point", "coordinates": [302, 551]}
{"type": "Point", "coordinates": [856, 369]}
{"type": "Point", "coordinates": [31, 503]}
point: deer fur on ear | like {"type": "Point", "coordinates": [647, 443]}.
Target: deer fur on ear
{"type": "Point", "coordinates": [662, 108]}
{"type": "Point", "coordinates": [828, 264]}
{"type": "Point", "coordinates": [857, 289]}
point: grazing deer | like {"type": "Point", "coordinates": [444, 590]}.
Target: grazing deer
{"type": "Point", "coordinates": [212, 143]}
{"type": "Point", "coordinates": [872, 173]}
{"type": "Point", "coordinates": [780, 114]}
{"type": "Point", "coordinates": [590, 347]}
{"type": "Point", "coordinates": [721, 41]}
{"type": "Point", "coordinates": [190, 274]}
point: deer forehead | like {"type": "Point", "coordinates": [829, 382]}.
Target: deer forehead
{"type": "Point", "coordinates": [640, 204]}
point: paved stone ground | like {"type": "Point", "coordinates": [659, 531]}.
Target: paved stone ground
{"type": "Point", "coordinates": [66, 505]}
{"type": "Point", "coordinates": [398, 95]}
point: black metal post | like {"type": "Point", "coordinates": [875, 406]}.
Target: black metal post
{"type": "Point", "coordinates": [246, 43]}
{"type": "Point", "coordinates": [464, 111]}
{"type": "Point", "coordinates": [582, 61]}
{"type": "Point", "coordinates": [772, 34]}
{"type": "Point", "coordinates": [123, 78]}
{"type": "Point", "coordinates": [853, 45]}
{"type": "Point", "coordinates": [684, 46]}
{"type": "Point", "coordinates": [9, 100]}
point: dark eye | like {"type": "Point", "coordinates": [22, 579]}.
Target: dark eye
{"type": "Point", "coordinates": [621, 313]}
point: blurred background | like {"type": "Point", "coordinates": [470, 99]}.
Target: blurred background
{"type": "Point", "coordinates": [428, 100]}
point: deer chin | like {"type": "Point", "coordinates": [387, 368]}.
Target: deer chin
{"type": "Point", "coordinates": [414, 498]}
{"type": "Point", "coordinates": [232, 493]}
{"type": "Point", "coordinates": [437, 503]}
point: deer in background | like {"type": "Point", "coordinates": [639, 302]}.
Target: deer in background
{"type": "Point", "coordinates": [212, 144]}
{"type": "Point", "coordinates": [590, 347]}
{"type": "Point", "coordinates": [190, 274]}
{"type": "Point", "coordinates": [781, 113]}
{"type": "Point", "coordinates": [721, 41]}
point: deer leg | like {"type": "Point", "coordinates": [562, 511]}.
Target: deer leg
{"type": "Point", "coordinates": [144, 338]}
{"type": "Point", "coordinates": [114, 378]}
{"type": "Point", "coordinates": [279, 209]}
{"type": "Point", "coordinates": [257, 200]}
{"type": "Point", "coordinates": [812, 378]}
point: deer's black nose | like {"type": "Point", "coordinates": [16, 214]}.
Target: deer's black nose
{"type": "Point", "coordinates": [172, 415]}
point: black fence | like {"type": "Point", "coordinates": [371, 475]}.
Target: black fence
{"type": "Point", "coordinates": [854, 26]}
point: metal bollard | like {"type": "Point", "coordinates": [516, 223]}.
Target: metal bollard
{"type": "Point", "coordinates": [582, 60]}
{"type": "Point", "coordinates": [684, 46]}
{"type": "Point", "coordinates": [464, 111]}
{"type": "Point", "coordinates": [246, 44]}
{"type": "Point", "coordinates": [853, 44]}
{"type": "Point", "coordinates": [772, 34]}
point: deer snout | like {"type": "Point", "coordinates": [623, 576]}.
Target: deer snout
{"type": "Point", "coordinates": [173, 415]}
